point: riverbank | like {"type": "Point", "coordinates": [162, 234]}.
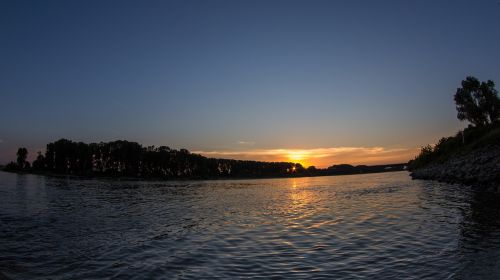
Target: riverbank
{"type": "Point", "coordinates": [356, 170]}
{"type": "Point", "coordinates": [479, 168]}
{"type": "Point", "coordinates": [471, 157]}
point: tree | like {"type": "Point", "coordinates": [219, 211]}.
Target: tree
{"type": "Point", "coordinates": [22, 154]}
{"type": "Point", "coordinates": [477, 102]}
{"type": "Point", "coordinates": [39, 163]}
{"type": "Point", "coordinates": [312, 169]}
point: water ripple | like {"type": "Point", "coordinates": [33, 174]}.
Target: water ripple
{"type": "Point", "coordinates": [379, 226]}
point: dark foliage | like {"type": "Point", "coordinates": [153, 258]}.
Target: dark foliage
{"type": "Point", "coordinates": [21, 164]}
{"type": "Point", "coordinates": [477, 102]}
{"type": "Point", "coordinates": [463, 142]}
{"type": "Point", "coordinates": [39, 162]}
{"type": "Point", "coordinates": [22, 154]}
{"type": "Point", "coordinates": [360, 169]}
{"type": "Point", "coordinates": [130, 159]}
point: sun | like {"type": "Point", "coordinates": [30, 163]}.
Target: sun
{"type": "Point", "coordinates": [297, 157]}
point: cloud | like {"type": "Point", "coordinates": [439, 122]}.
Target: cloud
{"type": "Point", "coordinates": [321, 157]}
{"type": "Point", "coordinates": [1, 141]}
{"type": "Point", "coordinates": [245, 142]}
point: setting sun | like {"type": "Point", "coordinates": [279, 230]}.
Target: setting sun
{"type": "Point", "coordinates": [297, 156]}
{"type": "Point", "coordinates": [320, 157]}
{"type": "Point", "coordinates": [249, 139]}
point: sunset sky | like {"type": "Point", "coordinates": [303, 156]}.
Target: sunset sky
{"type": "Point", "coordinates": [315, 82]}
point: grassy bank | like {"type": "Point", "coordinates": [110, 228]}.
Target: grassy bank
{"type": "Point", "coordinates": [462, 143]}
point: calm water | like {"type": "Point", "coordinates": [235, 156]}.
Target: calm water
{"type": "Point", "coordinates": [375, 226]}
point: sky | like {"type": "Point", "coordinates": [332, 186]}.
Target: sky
{"type": "Point", "coordinates": [315, 82]}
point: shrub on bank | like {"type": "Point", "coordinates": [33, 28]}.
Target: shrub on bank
{"type": "Point", "coordinates": [464, 141]}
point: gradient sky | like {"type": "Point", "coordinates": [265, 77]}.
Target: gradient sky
{"type": "Point", "coordinates": [319, 82]}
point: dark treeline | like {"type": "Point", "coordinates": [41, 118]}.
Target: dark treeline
{"type": "Point", "coordinates": [130, 159]}
{"type": "Point", "coordinates": [464, 141]}
{"type": "Point", "coordinates": [478, 103]}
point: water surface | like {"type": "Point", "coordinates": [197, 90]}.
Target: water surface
{"type": "Point", "coordinates": [374, 226]}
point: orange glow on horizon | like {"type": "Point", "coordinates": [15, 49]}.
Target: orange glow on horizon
{"type": "Point", "coordinates": [297, 157]}
{"type": "Point", "coordinates": [321, 157]}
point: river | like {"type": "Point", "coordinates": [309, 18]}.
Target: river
{"type": "Point", "coordinates": [372, 226]}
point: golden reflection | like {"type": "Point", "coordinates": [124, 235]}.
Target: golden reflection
{"type": "Point", "coordinates": [299, 207]}
{"type": "Point", "coordinates": [303, 207]}
{"type": "Point", "coordinates": [299, 195]}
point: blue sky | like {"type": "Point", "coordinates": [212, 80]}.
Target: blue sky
{"type": "Point", "coordinates": [242, 78]}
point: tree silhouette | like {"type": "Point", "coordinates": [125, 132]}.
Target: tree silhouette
{"type": "Point", "coordinates": [477, 102]}
{"type": "Point", "coordinates": [39, 162]}
{"type": "Point", "coordinates": [130, 159]}
{"type": "Point", "coordinates": [22, 154]}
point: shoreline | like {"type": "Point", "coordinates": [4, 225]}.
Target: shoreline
{"type": "Point", "coordinates": [159, 179]}
{"type": "Point", "coordinates": [479, 168]}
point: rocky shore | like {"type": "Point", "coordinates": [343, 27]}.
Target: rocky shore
{"type": "Point", "coordinates": [479, 168]}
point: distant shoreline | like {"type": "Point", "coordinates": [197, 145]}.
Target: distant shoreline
{"type": "Point", "coordinates": [124, 159]}
{"type": "Point", "coordinates": [128, 178]}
